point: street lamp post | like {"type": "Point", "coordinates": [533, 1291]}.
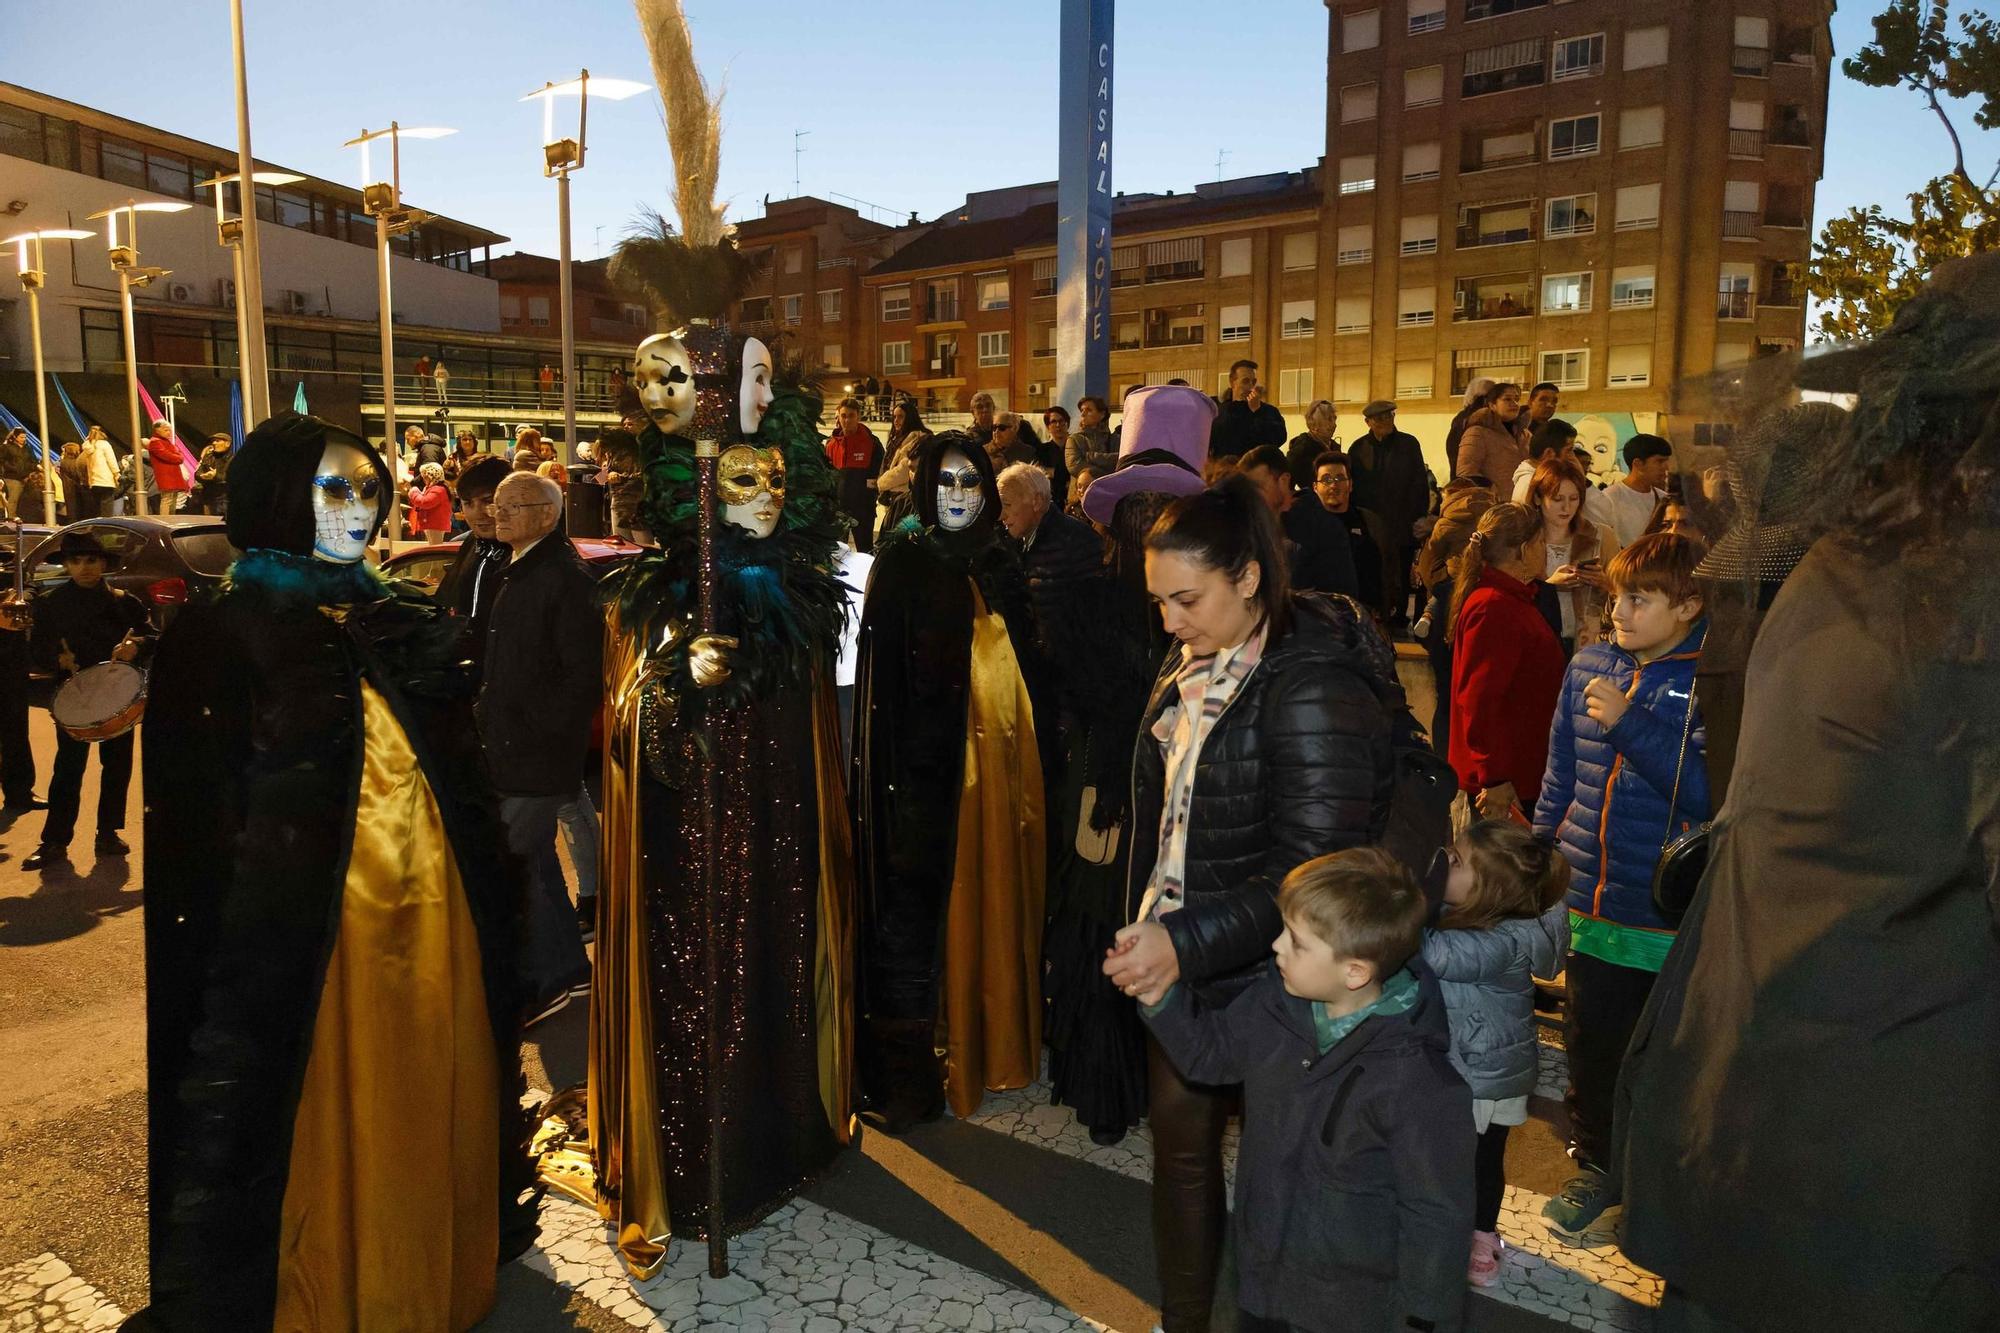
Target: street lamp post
{"type": "Point", "coordinates": [125, 260]}
{"type": "Point", "coordinates": [229, 233]}
{"type": "Point", "coordinates": [32, 276]}
{"type": "Point", "coordinates": [559, 158]}
{"type": "Point", "coordinates": [383, 201]}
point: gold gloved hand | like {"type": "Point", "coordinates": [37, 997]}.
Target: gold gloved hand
{"type": "Point", "coordinates": [708, 659]}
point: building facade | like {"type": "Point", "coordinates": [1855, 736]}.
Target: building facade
{"type": "Point", "coordinates": [1615, 196]}
{"type": "Point", "coordinates": [811, 254]}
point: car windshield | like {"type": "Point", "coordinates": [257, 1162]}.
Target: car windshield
{"type": "Point", "coordinates": [427, 568]}
{"type": "Point", "coordinates": [206, 552]}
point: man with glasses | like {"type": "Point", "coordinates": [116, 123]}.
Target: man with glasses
{"type": "Point", "coordinates": [1333, 482]}
{"type": "Point", "coordinates": [467, 588]}
{"type": "Point", "coordinates": [542, 684]}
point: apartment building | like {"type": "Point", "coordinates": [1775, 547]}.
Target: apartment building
{"type": "Point", "coordinates": [1613, 195]}
{"type": "Point", "coordinates": [812, 253]}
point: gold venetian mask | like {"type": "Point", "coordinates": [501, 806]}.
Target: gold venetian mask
{"type": "Point", "coordinates": [750, 483]}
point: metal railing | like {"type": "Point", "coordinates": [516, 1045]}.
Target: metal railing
{"type": "Point", "coordinates": [1746, 143]}
{"type": "Point", "coordinates": [1738, 225]}
{"type": "Point", "coordinates": [1471, 238]}
{"type": "Point", "coordinates": [1751, 61]}
{"type": "Point", "coordinates": [417, 400]}
{"type": "Point", "coordinates": [1735, 305]}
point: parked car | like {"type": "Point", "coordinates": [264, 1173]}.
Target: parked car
{"type": "Point", "coordinates": [427, 564]}
{"type": "Point", "coordinates": [162, 559]}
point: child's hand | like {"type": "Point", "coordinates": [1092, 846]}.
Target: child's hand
{"type": "Point", "coordinates": [1605, 702]}
{"type": "Point", "coordinates": [1564, 576]}
{"type": "Point", "coordinates": [1495, 802]}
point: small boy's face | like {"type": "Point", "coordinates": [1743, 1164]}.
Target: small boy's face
{"type": "Point", "coordinates": [1646, 622]}
{"type": "Point", "coordinates": [1312, 969]}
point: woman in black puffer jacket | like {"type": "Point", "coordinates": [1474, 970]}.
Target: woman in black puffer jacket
{"type": "Point", "coordinates": [1268, 741]}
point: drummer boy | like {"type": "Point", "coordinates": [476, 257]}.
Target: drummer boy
{"type": "Point", "coordinates": [77, 625]}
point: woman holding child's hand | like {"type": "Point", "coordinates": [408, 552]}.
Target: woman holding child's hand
{"type": "Point", "coordinates": [1267, 743]}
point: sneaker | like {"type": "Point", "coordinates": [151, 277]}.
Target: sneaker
{"type": "Point", "coordinates": [46, 857]}
{"type": "Point", "coordinates": [548, 1009]}
{"type": "Point", "coordinates": [586, 917]}
{"type": "Point", "coordinates": [1583, 1200]}
{"type": "Point", "coordinates": [110, 844]}
{"type": "Point", "coordinates": [1484, 1270]}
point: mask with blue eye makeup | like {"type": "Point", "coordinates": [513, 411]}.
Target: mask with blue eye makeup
{"type": "Point", "coordinates": [346, 504]}
{"type": "Point", "coordinates": [959, 497]}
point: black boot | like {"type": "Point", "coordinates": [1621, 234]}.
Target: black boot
{"type": "Point", "coordinates": [901, 1077]}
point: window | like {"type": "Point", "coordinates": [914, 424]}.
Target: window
{"type": "Point", "coordinates": [1416, 307]}
{"type": "Point", "coordinates": [1731, 353]}
{"type": "Point", "coordinates": [1570, 215]}
{"type": "Point", "coordinates": [829, 310]}
{"type": "Point", "coordinates": [996, 349]}
{"type": "Point", "coordinates": [1356, 244]}
{"type": "Point", "coordinates": [1632, 287]}
{"type": "Point", "coordinates": [1357, 102]}
{"type": "Point", "coordinates": [941, 301]}
{"type": "Point", "coordinates": [1569, 369]}
{"type": "Point", "coordinates": [1043, 277]}
{"type": "Point", "coordinates": [1127, 331]}
{"type": "Point", "coordinates": [1638, 207]}
{"type": "Point", "coordinates": [1646, 48]}
{"type": "Point", "coordinates": [1503, 68]}
{"type": "Point", "coordinates": [1357, 174]}
{"type": "Point", "coordinates": [1296, 319]}
{"type": "Point", "coordinates": [1350, 384]}
{"type": "Point", "coordinates": [1496, 224]}
{"type": "Point", "coordinates": [1424, 86]}
{"type": "Point", "coordinates": [1295, 387]}
{"type": "Point", "coordinates": [1786, 206]}
{"type": "Point", "coordinates": [538, 311]}
{"type": "Point", "coordinates": [1500, 146]}
{"type": "Point", "coordinates": [1176, 326]}
{"type": "Point", "coordinates": [833, 356]}
{"type": "Point", "coordinates": [1128, 265]}
{"type": "Point", "coordinates": [1236, 256]}
{"type": "Point", "coordinates": [1742, 210]}
{"type": "Point", "coordinates": [1752, 55]}
{"type": "Point", "coordinates": [896, 358]}
{"type": "Point", "coordinates": [1736, 295]}
{"type": "Point", "coordinates": [1236, 324]}
{"type": "Point", "coordinates": [1425, 16]}
{"type": "Point", "coordinates": [1301, 251]}
{"type": "Point", "coordinates": [1566, 293]}
{"type": "Point", "coordinates": [941, 354]}
{"type": "Point", "coordinates": [1642, 127]}
{"type": "Point", "coordinates": [1493, 296]}
{"type": "Point", "coordinates": [895, 303]}
{"type": "Point", "coordinates": [1785, 283]}
{"type": "Point", "coordinates": [1171, 261]}
{"type": "Point", "coordinates": [1413, 379]}
{"type": "Point", "coordinates": [510, 310]}
{"type": "Point", "coordinates": [1574, 136]}
{"type": "Point", "coordinates": [992, 291]}
{"type": "Point", "coordinates": [1500, 363]}
{"type": "Point", "coordinates": [794, 309]}
{"type": "Point", "coordinates": [795, 259]}
{"type": "Point", "coordinates": [1420, 234]}
{"type": "Point", "coordinates": [1578, 57]}
{"type": "Point", "coordinates": [1746, 129]}
{"type": "Point", "coordinates": [103, 338]}
{"type": "Point", "coordinates": [1361, 30]}
{"type": "Point", "coordinates": [1352, 314]}
{"type": "Point", "coordinates": [124, 163]}
{"type": "Point", "coordinates": [1045, 340]}
{"type": "Point", "coordinates": [1629, 366]}
{"type": "Point", "coordinates": [1420, 162]}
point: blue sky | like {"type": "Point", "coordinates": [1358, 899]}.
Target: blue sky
{"type": "Point", "coordinates": [909, 103]}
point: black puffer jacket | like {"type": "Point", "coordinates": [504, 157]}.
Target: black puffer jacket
{"type": "Point", "coordinates": [1300, 764]}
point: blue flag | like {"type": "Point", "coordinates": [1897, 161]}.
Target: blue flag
{"type": "Point", "coordinates": [75, 417]}
{"type": "Point", "coordinates": [235, 415]}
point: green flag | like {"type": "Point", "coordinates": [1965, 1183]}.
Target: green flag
{"type": "Point", "coordinates": [299, 399]}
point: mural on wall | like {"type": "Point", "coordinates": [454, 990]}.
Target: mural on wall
{"type": "Point", "coordinates": [1603, 436]}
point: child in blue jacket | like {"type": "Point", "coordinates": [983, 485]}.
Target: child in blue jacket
{"type": "Point", "coordinates": [1625, 776]}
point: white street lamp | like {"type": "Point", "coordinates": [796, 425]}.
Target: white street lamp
{"type": "Point", "coordinates": [125, 260]}
{"type": "Point", "coordinates": [229, 233]}
{"type": "Point", "coordinates": [32, 276]}
{"type": "Point", "coordinates": [384, 202]}
{"type": "Point", "coordinates": [559, 158]}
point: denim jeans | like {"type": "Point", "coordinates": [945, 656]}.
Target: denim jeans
{"type": "Point", "coordinates": [551, 945]}
{"type": "Point", "coordinates": [578, 820]}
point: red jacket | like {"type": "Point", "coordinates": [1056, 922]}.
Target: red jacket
{"type": "Point", "coordinates": [165, 457]}
{"type": "Point", "coordinates": [1506, 674]}
{"type": "Point", "coordinates": [430, 508]}
{"type": "Point", "coordinates": [851, 453]}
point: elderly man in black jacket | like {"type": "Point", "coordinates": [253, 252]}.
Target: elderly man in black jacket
{"type": "Point", "coordinates": [543, 683]}
{"type": "Point", "coordinates": [1056, 550]}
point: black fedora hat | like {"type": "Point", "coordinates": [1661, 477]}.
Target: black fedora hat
{"type": "Point", "coordinates": [76, 543]}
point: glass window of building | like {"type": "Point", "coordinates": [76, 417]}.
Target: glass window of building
{"type": "Point", "coordinates": [1295, 319]}
{"type": "Point", "coordinates": [1566, 293]}
{"type": "Point", "coordinates": [1573, 136]}
{"type": "Point", "coordinates": [1420, 234]}
{"type": "Point", "coordinates": [993, 294]}
{"type": "Point", "coordinates": [1416, 307]}
{"type": "Point", "coordinates": [1632, 287]}
{"type": "Point", "coordinates": [1628, 366]}
{"type": "Point", "coordinates": [1578, 57]}
{"type": "Point", "coordinates": [895, 303]}
{"type": "Point", "coordinates": [1420, 162]}
{"type": "Point", "coordinates": [996, 349]}
{"type": "Point", "coordinates": [1638, 207]}
{"type": "Point", "coordinates": [1570, 215]}
{"type": "Point", "coordinates": [1414, 378]}
{"type": "Point", "coordinates": [1235, 324]}
{"type": "Point", "coordinates": [1356, 244]}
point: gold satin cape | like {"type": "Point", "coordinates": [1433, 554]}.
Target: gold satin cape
{"type": "Point", "coordinates": [992, 1001]}
{"type": "Point", "coordinates": [391, 1218]}
{"type": "Point", "coordinates": [629, 1189]}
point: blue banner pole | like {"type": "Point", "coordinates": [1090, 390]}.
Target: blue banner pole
{"type": "Point", "coordinates": [1083, 203]}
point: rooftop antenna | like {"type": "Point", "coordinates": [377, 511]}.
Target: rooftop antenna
{"type": "Point", "coordinates": [1221, 156]}
{"type": "Point", "coordinates": [797, 148]}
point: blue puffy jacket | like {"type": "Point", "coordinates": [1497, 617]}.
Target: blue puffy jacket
{"type": "Point", "coordinates": [1487, 978]}
{"type": "Point", "coordinates": [1605, 793]}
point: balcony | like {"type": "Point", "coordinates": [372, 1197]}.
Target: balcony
{"type": "Point", "coordinates": [1751, 61]}
{"type": "Point", "coordinates": [1791, 134]}
{"type": "Point", "coordinates": [1419, 24]}
{"type": "Point", "coordinates": [1735, 305]}
{"type": "Point", "coordinates": [1740, 226]}
{"type": "Point", "coordinates": [1476, 10]}
{"type": "Point", "coordinates": [1792, 218]}
{"type": "Point", "coordinates": [1746, 143]}
{"type": "Point", "coordinates": [941, 310]}
{"type": "Point", "coordinates": [1504, 80]}
{"type": "Point", "coordinates": [1474, 164]}
{"type": "Point", "coordinates": [1471, 237]}
{"type": "Point", "coordinates": [1783, 293]}
{"type": "Point", "coordinates": [1503, 296]}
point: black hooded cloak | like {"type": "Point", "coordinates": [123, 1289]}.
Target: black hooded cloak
{"type": "Point", "coordinates": [254, 752]}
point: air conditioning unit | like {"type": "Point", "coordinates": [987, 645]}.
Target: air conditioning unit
{"type": "Point", "coordinates": [294, 303]}
{"type": "Point", "coordinates": [1037, 389]}
{"type": "Point", "coordinates": [225, 292]}
{"type": "Point", "coordinates": [181, 292]}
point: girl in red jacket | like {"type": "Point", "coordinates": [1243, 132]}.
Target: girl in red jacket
{"type": "Point", "coordinates": [1507, 668]}
{"type": "Point", "coordinates": [430, 504]}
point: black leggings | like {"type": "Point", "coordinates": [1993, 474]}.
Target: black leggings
{"type": "Point", "coordinates": [1190, 1206]}
{"type": "Point", "coordinates": [1489, 1177]}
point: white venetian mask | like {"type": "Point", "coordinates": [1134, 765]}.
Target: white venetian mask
{"type": "Point", "coordinates": [959, 498]}
{"type": "Point", "coordinates": [753, 397]}
{"type": "Point", "coordinates": [345, 502]}
{"type": "Point", "coordinates": [665, 380]}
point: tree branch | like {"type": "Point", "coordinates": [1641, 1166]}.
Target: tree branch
{"type": "Point", "coordinates": [1929, 90]}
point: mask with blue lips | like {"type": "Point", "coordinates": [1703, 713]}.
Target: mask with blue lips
{"type": "Point", "coordinates": [959, 495]}
{"type": "Point", "coordinates": [346, 499]}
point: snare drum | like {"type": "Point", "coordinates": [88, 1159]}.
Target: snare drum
{"type": "Point", "coordinates": [102, 702]}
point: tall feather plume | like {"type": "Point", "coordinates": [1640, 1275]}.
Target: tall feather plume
{"type": "Point", "coordinates": [694, 119]}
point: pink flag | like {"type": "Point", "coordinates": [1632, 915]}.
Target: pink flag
{"type": "Point", "coordinates": [153, 413]}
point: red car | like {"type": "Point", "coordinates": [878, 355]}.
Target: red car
{"type": "Point", "coordinates": [427, 564]}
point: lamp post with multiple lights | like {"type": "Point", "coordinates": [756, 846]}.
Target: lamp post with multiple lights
{"type": "Point", "coordinates": [559, 158]}
{"type": "Point", "coordinates": [125, 260]}
{"type": "Point", "coordinates": [384, 202]}
{"type": "Point", "coordinates": [32, 276]}
{"type": "Point", "coordinates": [229, 233]}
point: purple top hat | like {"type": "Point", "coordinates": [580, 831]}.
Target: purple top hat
{"type": "Point", "coordinates": [1162, 445]}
